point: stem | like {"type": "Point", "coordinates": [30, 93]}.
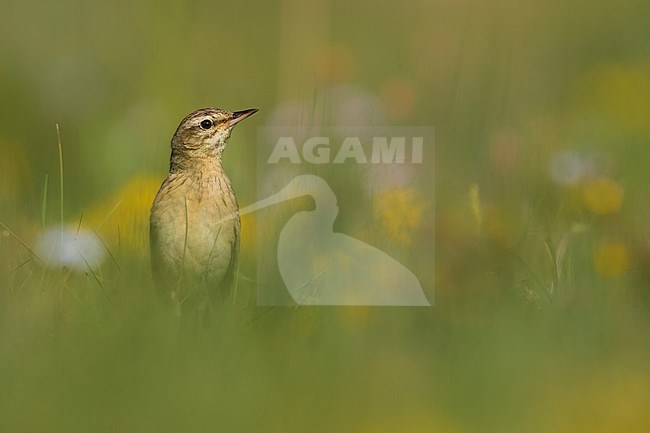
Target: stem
{"type": "Point", "coordinates": [58, 135]}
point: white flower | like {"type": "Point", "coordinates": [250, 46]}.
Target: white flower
{"type": "Point", "coordinates": [67, 247]}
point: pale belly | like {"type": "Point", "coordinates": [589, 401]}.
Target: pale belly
{"type": "Point", "coordinates": [194, 231]}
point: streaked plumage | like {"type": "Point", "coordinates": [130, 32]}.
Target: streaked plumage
{"type": "Point", "coordinates": [194, 224]}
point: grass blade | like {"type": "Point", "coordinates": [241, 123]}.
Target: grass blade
{"type": "Point", "coordinates": [44, 201]}
{"type": "Point", "coordinates": [58, 136]}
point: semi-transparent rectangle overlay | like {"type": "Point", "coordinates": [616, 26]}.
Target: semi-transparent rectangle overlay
{"type": "Point", "coordinates": [344, 216]}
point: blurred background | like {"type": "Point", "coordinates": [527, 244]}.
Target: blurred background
{"type": "Point", "coordinates": [538, 261]}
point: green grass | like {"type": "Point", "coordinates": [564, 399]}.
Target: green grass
{"type": "Point", "coordinates": [101, 352]}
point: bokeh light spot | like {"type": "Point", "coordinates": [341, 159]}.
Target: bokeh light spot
{"type": "Point", "coordinates": [611, 259]}
{"type": "Point", "coordinates": [603, 196]}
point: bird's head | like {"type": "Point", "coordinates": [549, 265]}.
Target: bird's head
{"type": "Point", "coordinates": [205, 132]}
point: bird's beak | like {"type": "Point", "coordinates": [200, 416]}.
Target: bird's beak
{"type": "Point", "coordinates": [238, 116]}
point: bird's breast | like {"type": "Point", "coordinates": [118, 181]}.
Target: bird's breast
{"type": "Point", "coordinates": [195, 223]}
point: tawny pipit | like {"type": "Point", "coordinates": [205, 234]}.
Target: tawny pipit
{"type": "Point", "coordinates": [194, 224]}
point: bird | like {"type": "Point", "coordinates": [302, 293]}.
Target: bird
{"type": "Point", "coordinates": [194, 221]}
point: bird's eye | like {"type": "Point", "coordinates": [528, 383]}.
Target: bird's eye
{"type": "Point", "coordinates": [206, 124]}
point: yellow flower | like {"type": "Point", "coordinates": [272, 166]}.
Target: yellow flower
{"type": "Point", "coordinates": [602, 196]}
{"type": "Point", "coordinates": [123, 219]}
{"type": "Point", "coordinates": [620, 93]}
{"type": "Point", "coordinates": [247, 242]}
{"type": "Point", "coordinates": [399, 212]}
{"type": "Point", "coordinates": [611, 259]}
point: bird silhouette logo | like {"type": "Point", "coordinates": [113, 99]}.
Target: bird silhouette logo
{"type": "Point", "coordinates": [322, 267]}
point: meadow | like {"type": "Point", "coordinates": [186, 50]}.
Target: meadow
{"type": "Point", "coordinates": [527, 224]}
